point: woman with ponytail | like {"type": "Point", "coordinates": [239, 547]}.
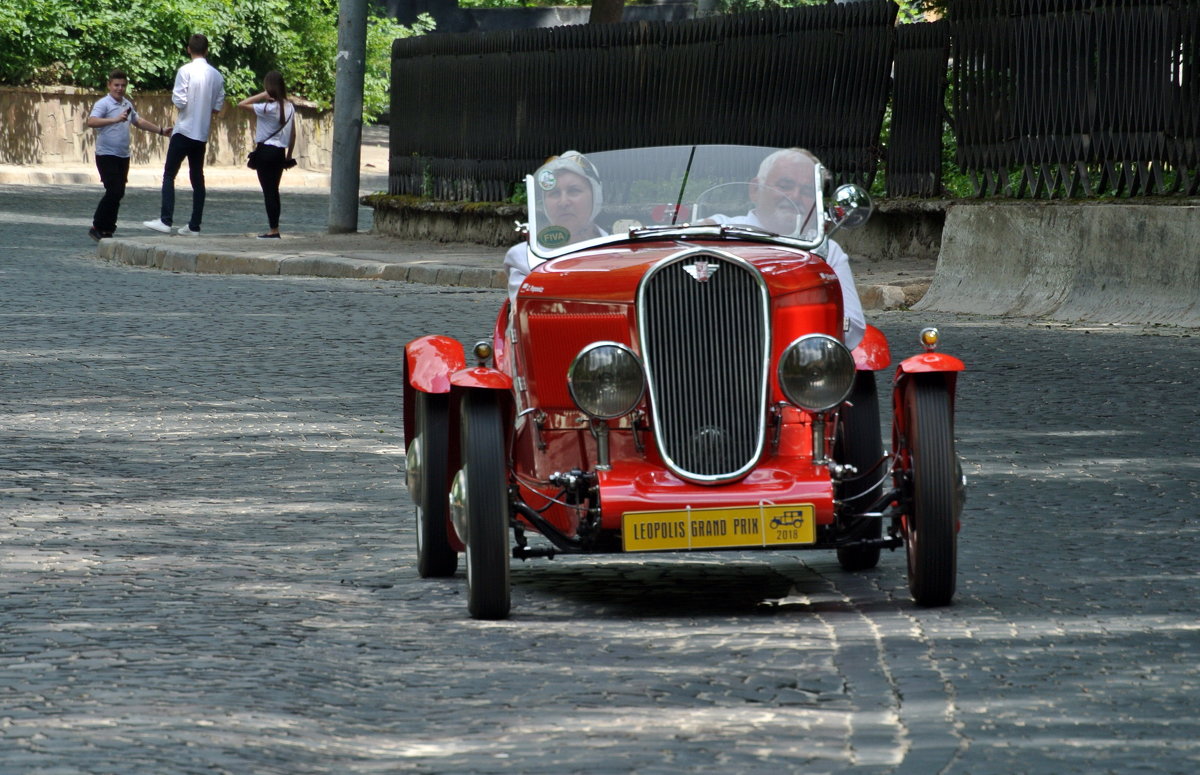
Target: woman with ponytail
{"type": "Point", "coordinates": [275, 138]}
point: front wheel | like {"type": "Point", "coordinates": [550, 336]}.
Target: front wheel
{"type": "Point", "coordinates": [931, 521]}
{"type": "Point", "coordinates": [482, 486]}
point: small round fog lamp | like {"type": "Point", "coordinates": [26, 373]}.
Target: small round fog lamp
{"type": "Point", "coordinates": [930, 338]}
{"type": "Point", "coordinates": [606, 380]}
{"type": "Point", "coordinates": [483, 351]}
{"type": "Point", "coordinates": [816, 372]}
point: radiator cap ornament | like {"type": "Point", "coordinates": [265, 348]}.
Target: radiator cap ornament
{"type": "Point", "coordinates": [701, 270]}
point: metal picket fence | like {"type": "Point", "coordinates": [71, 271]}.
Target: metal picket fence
{"type": "Point", "coordinates": [1047, 98]}
{"type": "Point", "coordinates": [1073, 98]}
{"type": "Point", "coordinates": [472, 113]}
{"type": "Point", "coordinates": [914, 148]}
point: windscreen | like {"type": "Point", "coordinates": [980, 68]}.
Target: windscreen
{"type": "Point", "coordinates": [579, 200]}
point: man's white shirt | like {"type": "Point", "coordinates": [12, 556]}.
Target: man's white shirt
{"type": "Point", "coordinates": [199, 91]}
{"type": "Point", "coordinates": [839, 262]}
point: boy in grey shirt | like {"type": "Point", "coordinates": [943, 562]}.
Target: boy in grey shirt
{"type": "Point", "coordinates": [111, 117]}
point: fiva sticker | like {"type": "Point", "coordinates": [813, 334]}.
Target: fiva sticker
{"type": "Point", "coordinates": [554, 236]}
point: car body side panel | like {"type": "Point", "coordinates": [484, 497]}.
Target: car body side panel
{"type": "Point", "coordinates": [572, 301]}
{"type": "Point", "coordinates": [613, 274]}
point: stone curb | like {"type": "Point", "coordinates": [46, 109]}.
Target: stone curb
{"type": "Point", "coordinates": [177, 259]}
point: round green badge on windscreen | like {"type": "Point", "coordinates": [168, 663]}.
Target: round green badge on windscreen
{"type": "Point", "coordinates": [553, 237]}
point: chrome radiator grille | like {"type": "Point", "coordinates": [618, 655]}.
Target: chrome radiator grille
{"type": "Point", "coordinates": [703, 325]}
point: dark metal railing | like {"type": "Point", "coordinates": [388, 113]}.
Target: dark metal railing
{"type": "Point", "coordinates": [1077, 97]}
{"type": "Point", "coordinates": [473, 113]}
{"type": "Point", "coordinates": [1046, 98]}
{"type": "Point", "coordinates": [914, 148]}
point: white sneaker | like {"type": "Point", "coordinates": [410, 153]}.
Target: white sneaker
{"type": "Point", "coordinates": [187, 231]}
{"type": "Point", "coordinates": [157, 225]}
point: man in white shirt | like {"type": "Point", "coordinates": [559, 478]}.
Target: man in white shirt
{"type": "Point", "coordinates": [111, 117]}
{"type": "Point", "coordinates": [785, 203]}
{"type": "Point", "coordinates": [199, 94]}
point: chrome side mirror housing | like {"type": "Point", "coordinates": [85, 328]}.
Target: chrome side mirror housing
{"type": "Point", "coordinates": [850, 208]}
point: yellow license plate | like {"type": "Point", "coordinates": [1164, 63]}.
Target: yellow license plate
{"type": "Point", "coordinates": [720, 528]}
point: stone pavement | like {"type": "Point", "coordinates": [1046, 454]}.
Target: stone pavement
{"type": "Point", "coordinates": [207, 556]}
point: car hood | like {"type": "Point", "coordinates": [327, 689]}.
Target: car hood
{"type": "Point", "coordinates": [612, 275]}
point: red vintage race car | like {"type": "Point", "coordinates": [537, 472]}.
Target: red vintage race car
{"type": "Point", "coordinates": [682, 365]}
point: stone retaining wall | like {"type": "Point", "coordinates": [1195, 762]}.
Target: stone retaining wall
{"type": "Point", "coordinates": [481, 223]}
{"type": "Point", "coordinates": [1111, 262]}
{"type": "Point", "coordinates": [48, 126]}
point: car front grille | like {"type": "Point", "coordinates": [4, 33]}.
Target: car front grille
{"type": "Point", "coordinates": [703, 325]}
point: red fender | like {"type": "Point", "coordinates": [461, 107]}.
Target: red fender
{"type": "Point", "coordinates": [872, 353]}
{"type": "Point", "coordinates": [428, 363]}
{"type": "Point", "coordinates": [947, 366]}
{"type": "Point", "coordinates": [481, 377]}
{"type": "Point", "coordinates": [430, 360]}
{"type": "Point", "coordinates": [929, 362]}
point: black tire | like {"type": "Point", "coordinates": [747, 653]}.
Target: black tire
{"type": "Point", "coordinates": [486, 502]}
{"type": "Point", "coordinates": [436, 558]}
{"type": "Point", "coordinates": [931, 524]}
{"type": "Point", "coordinates": [859, 442]}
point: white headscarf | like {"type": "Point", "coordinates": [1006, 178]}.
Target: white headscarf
{"type": "Point", "coordinates": [574, 161]}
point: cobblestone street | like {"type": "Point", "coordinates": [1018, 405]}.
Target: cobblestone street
{"type": "Point", "coordinates": [207, 555]}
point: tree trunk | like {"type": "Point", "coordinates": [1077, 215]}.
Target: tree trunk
{"type": "Point", "coordinates": [606, 11]}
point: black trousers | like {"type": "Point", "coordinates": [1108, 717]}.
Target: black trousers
{"type": "Point", "coordinates": [180, 148]}
{"type": "Point", "coordinates": [270, 172]}
{"type": "Point", "coordinates": [114, 172]}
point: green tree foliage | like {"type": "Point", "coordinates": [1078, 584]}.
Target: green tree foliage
{"type": "Point", "coordinates": [77, 42]}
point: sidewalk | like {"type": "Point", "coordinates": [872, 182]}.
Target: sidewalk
{"type": "Point", "coordinates": [881, 285]}
{"type": "Point", "coordinates": [370, 256]}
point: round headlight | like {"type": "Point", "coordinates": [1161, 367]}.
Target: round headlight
{"type": "Point", "coordinates": [606, 380]}
{"type": "Point", "coordinates": [816, 372]}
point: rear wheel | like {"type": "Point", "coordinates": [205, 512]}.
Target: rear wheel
{"type": "Point", "coordinates": [428, 486]}
{"type": "Point", "coordinates": [860, 443]}
{"type": "Point", "coordinates": [485, 500]}
{"type": "Point", "coordinates": [931, 524]}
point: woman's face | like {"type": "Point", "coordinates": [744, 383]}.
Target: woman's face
{"type": "Point", "coordinates": [569, 203]}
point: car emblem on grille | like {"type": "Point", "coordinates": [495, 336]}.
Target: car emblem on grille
{"type": "Point", "coordinates": [701, 270]}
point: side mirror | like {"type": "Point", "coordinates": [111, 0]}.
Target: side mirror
{"type": "Point", "coordinates": [850, 208]}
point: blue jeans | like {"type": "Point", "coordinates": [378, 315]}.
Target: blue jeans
{"type": "Point", "coordinates": [182, 147]}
